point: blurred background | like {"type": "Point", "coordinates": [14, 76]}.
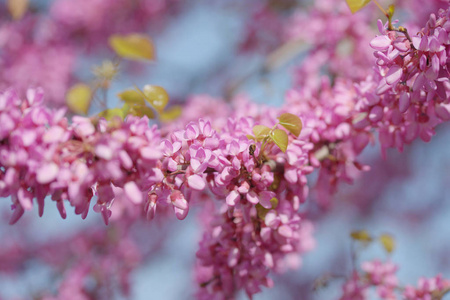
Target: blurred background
{"type": "Point", "coordinates": [220, 48]}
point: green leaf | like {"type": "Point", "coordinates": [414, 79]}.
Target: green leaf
{"type": "Point", "coordinates": [388, 242]}
{"type": "Point", "coordinates": [131, 97]}
{"type": "Point", "coordinates": [356, 5]}
{"type": "Point", "coordinates": [78, 98]}
{"type": "Point", "coordinates": [260, 132]}
{"type": "Point", "coordinates": [111, 113]}
{"type": "Point", "coordinates": [391, 11]}
{"type": "Point", "coordinates": [280, 138]}
{"type": "Point", "coordinates": [262, 212]}
{"type": "Point", "coordinates": [361, 235]}
{"type": "Point", "coordinates": [133, 46]}
{"type": "Point", "coordinates": [142, 110]}
{"type": "Point", "coordinates": [171, 114]}
{"type": "Point", "coordinates": [291, 122]}
{"type": "Point", "coordinates": [17, 8]}
{"type": "Point", "coordinates": [156, 96]}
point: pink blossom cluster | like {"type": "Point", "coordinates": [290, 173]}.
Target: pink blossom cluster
{"type": "Point", "coordinates": [42, 154]}
{"type": "Point", "coordinates": [408, 96]}
{"type": "Point", "coordinates": [240, 248]}
{"type": "Point", "coordinates": [128, 162]}
{"type": "Point", "coordinates": [335, 39]}
{"type": "Point", "coordinates": [382, 276]}
{"type": "Point", "coordinates": [255, 228]}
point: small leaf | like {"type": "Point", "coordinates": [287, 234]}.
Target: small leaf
{"type": "Point", "coordinates": [361, 235]}
{"type": "Point", "coordinates": [133, 46]}
{"type": "Point", "coordinates": [262, 211]}
{"type": "Point", "coordinates": [171, 114]}
{"type": "Point", "coordinates": [142, 110]}
{"type": "Point", "coordinates": [280, 138]}
{"type": "Point", "coordinates": [260, 132]}
{"type": "Point", "coordinates": [391, 11]}
{"type": "Point", "coordinates": [111, 113]}
{"type": "Point", "coordinates": [156, 96]}
{"type": "Point", "coordinates": [356, 5]}
{"type": "Point", "coordinates": [131, 97]}
{"type": "Point", "coordinates": [78, 98]}
{"type": "Point", "coordinates": [291, 122]}
{"type": "Point", "coordinates": [388, 242]}
{"type": "Point", "coordinates": [17, 8]}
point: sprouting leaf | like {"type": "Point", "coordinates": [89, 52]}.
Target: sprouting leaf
{"type": "Point", "coordinates": [291, 122]}
{"type": "Point", "coordinates": [142, 110]}
{"type": "Point", "coordinates": [131, 97]}
{"type": "Point", "coordinates": [17, 8]}
{"type": "Point", "coordinates": [280, 138]}
{"type": "Point", "coordinates": [78, 98]}
{"type": "Point", "coordinates": [171, 113]}
{"type": "Point", "coordinates": [388, 242]}
{"type": "Point", "coordinates": [356, 5]}
{"type": "Point", "coordinates": [156, 96]}
{"type": "Point", "coordinates": [391, 11]}
{"type": "Point", "coordinates": [260, 132]}
{"type": "Point", "coordinates": [361, 235]}
{"type": "Point", "coordinates": [133, 46]}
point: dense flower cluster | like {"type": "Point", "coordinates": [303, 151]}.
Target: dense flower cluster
{"type": "Point", "coordinates": [41, 154]}
{"type": "Point", "coordinates": [382, 277]}
{"type": "Point", "coordinates": [408, 96]}
{"type": "Point", "coordinates": [129, 168]}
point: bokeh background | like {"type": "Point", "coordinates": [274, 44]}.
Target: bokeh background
{"type": "Point", "coordinates": [199, 52]}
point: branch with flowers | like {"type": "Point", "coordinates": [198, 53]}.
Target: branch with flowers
{"type": "Point", "coordinates": [250, 174]}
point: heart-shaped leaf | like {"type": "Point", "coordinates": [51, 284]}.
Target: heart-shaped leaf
{"type": "Point", "coordinates": [156, 96]}
{"type": "Point", "coordinates": [388, 242]}
{"type": "Point", "coordinates": [260, 132]}
{"type": "Point", "coordinates": [78, 98]}
{"type": "Point", "coordinates": [291, 122]}
{"type": "Point", "coordinates": [361, 235]}
{"type": "Point", "coordinates": [133, 46]}
{"type": "Point", "coordinates": [280, 138]}
{"type": "Point", "coordinates": [356, 5]}
{"type": "Point", "coordinates": [131, 97]}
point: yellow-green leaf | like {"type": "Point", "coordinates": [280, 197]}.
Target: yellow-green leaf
{"type": "Point", "coordinates": [388, 242]}
{"type": "Point", "coordinates": [142, 110]}
{"type": "Point", "coordinates": [111, 113]}
{"type": "Point", "coordinates": [260, 132]}
{"type": "Point", "coordinates": [131, 97]}
{"type": "Point", "coordinates": [133, 46]}
{"type": "Point", "coordinates": [391, 11]}
{"type": "Point", "coordinates": [17, 8]}
{"type": "Point", "coordinates": [156, 96]}
{"type": "Point", "coordinates": [280, 138]}
{"type": "Point", "coordinates": [291, 122]}
{"type": "Point", "coordinates": [262, 211]}
{"type": "Point", "coordinates": [361, 235]}
{"type": "Point", "coordinates": [356, 5]}
{"type": "Point", "coordinates": [78, 98]}
{"type": "Point", "coordinates": [171, 113]}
